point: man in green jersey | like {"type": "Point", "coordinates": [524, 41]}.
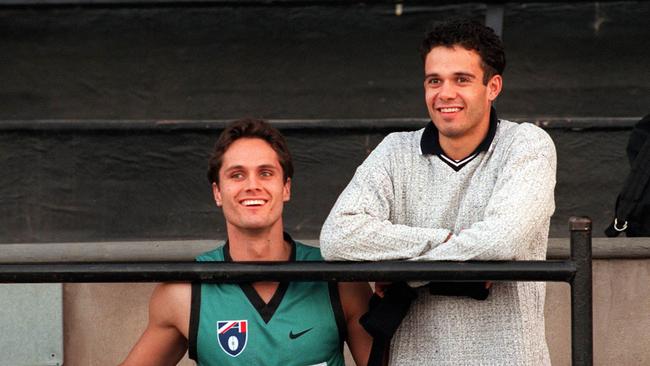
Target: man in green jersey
{"type": "Point", "coordinates": [261, 323]}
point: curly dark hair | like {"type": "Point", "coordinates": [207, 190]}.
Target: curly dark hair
{"type": "Point", "coordinates": [249, 128]}
{"type": "Point", "coordinates": [470, 35]}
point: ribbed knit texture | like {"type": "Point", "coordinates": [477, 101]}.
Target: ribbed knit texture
{"type": "Point", "coordinates": [401, 204]}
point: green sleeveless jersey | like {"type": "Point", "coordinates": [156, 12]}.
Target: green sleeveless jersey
{"type": "Point", "coordinates": [303, 323]}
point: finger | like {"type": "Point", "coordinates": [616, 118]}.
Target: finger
{"type": "Point", "coordinates": [380, 288]}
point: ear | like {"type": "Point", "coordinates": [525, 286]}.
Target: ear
{"type": "Point", "coordinates": [494, 86]}
{"type": "Point", "coordinates": [216, 193]}
{"type": "Point", "coordinates": [286, 190]}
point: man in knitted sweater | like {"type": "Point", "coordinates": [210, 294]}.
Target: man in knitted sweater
{"type": "Point", "coordinates": [467, 186]}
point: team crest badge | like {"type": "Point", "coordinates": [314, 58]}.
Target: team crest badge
{"type": "Point", "coordinates": [232, 336]}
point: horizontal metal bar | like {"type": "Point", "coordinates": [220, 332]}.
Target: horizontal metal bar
{"type": "Point", "coordinates": [187, 250]}
{"type": "Point", "coordinates": [562, 271]}
{"type": "Point", "coordinates": [576, 123]}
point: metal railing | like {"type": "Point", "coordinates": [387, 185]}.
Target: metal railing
{"type": "Point", "coordinates": [576, 271]}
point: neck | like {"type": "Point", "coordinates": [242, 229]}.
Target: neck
{"type": "Point", "coordinates": [258, 245]}
{"type": "Point", "coordinates": [460, 147]}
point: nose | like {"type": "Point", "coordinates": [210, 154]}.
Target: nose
{"type": "Point", "coordinates": [253, 182]}
{"type": "Point", "coordinates": [447, 91]}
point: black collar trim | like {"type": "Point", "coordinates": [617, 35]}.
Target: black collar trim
{"type": "Point", "coordinates": [265, 310]}
{"type": "Point", "coordinates": [430, 143]}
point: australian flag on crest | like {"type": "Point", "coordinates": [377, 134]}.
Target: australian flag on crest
{"type": "Point", "coordinates": [232, 335]}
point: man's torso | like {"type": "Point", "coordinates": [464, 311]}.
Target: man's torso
{"type": "Point", "coordinates": [457, 330]}
{"type": "Point", "coordinates": [298, 326]}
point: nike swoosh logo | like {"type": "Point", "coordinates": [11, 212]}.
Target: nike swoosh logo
{"type": "Point", "coordinates": [296, 335]}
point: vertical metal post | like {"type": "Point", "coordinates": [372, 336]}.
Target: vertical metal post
{"type": "Point", "coordinates": [581, 293]}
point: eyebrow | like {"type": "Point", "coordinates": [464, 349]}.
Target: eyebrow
{"type": "Point", "coordinates": [267, 166]}
{"type": "Point", "coordinates": [466, 74]}
{"type": "Point", "coordinates": [263, 166]}
{"type": "Point", "coordinates": [456, 74]}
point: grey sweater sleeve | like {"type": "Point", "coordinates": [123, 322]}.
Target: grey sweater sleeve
{"type": "Point", "coordinates": [516, 219]}
{"type": "Point", "coordinates": [359, 226]}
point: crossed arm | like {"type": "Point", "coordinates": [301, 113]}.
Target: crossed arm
{"type": "Point", "coordinates": [360, 228]}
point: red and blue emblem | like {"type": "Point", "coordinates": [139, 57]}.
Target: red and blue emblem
{"type": "Point", "coordinates": [232, 336]}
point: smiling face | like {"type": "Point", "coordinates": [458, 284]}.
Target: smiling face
{"type": "Point", "coordinates": [457, 99]}
{"type": "Point", "coordinates": [251, 187]}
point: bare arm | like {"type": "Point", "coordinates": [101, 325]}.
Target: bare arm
{"type": "Point", "coordinates": [354, 299]}
{"type": "Point", "coordinates": [164, 341]}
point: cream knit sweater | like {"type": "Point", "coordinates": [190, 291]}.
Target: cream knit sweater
{"type": "Point", "coordinates": [402, 204]}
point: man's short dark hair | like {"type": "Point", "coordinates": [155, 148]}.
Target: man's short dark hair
{"type": "Point", "coordinates": [249, 128]}
{"type": "Point", "coordinates": [470, 35]}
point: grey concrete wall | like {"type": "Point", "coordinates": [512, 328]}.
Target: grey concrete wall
{"type": "Point", "coordinates": [103, 321]}
{"type": "Point", "coordinates": [31, 324]}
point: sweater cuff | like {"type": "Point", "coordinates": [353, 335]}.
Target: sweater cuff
{"type": "Point", "coordinates": [439, 237]}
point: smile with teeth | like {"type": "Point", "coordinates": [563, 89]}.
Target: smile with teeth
{"type": "Point", "coordinates": [253, 202]}
{"type": "Point", "coordinates": [449, 109]}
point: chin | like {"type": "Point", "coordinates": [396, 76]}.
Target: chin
{"type": "Point", "coordinates": [254, 226]}
{"type": "Point", "coordinates": [451, 132]}
{"type": "Point", "coordinates": [257, 225]}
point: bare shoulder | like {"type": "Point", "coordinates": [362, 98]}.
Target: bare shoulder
{"type": "Point", "coordinates": [164, 341]}
{"type": "Point", "coordinates": [170, 305]}
{"type": "Point", "coordinates": [173, 291]}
